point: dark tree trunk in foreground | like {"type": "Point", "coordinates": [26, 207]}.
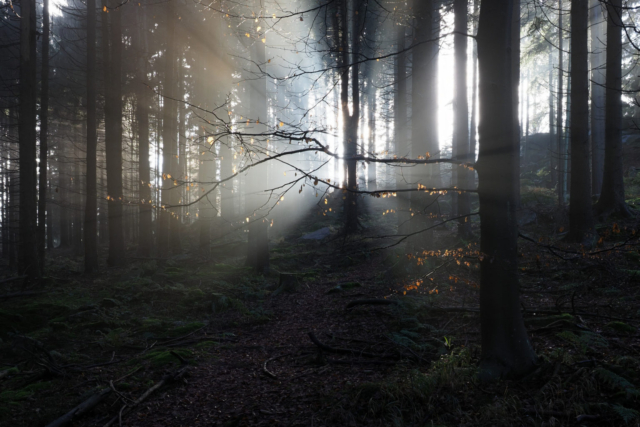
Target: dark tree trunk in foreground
{"type": "Point", "coordinates": [27, 239]}
{"type": "Point", "coordinates": [612, 196]}
{"type": "Point", "coordinates": [515, 81]}
{"type": "Point", "coordinates": [112, 59]}
{"type": "Point", "coordinates": [559, 132]}
{"type": "Point", "coordinates": [145, 238]}
{"type": "Point", "coordinates": [91, 208]}
{"type": "Point", "coordinates": [505, 347]}
{"type": "Point", "coordinates": [580, 210]}
{"type": "Point", "coordinates": [598, 80]}
{"type": "Point", "coordinates": [44, 130]}
{"type": "Point", "coordinates": [461, 115]}
{"type": "Point", "coordinates": [350, 120]}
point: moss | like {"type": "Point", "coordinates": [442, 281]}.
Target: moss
{"type": "Point", "coordinates": [621, 327]}
{"type": "Point", "coordinates": [164, 357]}
{"type": "Point", "coordinates": [185, 329]}
{"type": "Point", "coordinates": [206, 344]}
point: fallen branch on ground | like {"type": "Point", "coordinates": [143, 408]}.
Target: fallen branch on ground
{"type": "Point", "coordinates": [81, 409]}
{"type": "Point", "coordinates": [128, 408]}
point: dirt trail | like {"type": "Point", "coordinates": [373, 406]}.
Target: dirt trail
{"type": "Point", "coordinates": [234, 390]}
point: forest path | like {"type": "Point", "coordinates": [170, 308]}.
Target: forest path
{"type": "Point", "coordinates": [232, 389]}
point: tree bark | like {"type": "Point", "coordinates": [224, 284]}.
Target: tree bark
{"type": "Point", "coordinates": [580, 211]}
{"type": "Point", "coordinates": [598, 80]}
{"type": "Point", "coordinates": [91, 207]}
{"type": "Point", "coordinates": [112, 58]}
{"type": "Point", "coordinates": [505, 347]}
{"type": "Point", "coordinates": [400, 128]}
{"type": "Point", "coordinates": [559, 132]}
{"type": "Point", "coordinates": [44, 131]}
{"type": "Point", "coordinates": [461, 116]}
{"type": "Point", "coordinates": [145, 238]}
{"type": "Point", "coordinates": [612, 196]}
{"type": "Point", "coordinates": [27, 240]}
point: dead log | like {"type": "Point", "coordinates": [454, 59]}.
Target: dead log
{"type": "Point", "coordinates": [81, 409]}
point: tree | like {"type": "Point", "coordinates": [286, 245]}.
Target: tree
{"type": "Point", "coordinates": [142, 118]}
{"type": "Point", "coordinates": [112, 64]}
{"type": "Point", "coordinates": [27, 240]}
{"type": "Point", "coordinates": [44, 133]}
{"type": "Point", "coordinates": [505, 347]}
{"type": "Point", "coordinates": [611, 199]}
{"type": "Point", "coordinates": [598, 62]}
{"type": "Point", "coordinates": [580, 210]}
{"type": "Point", "coordinates": [559, 133]}
{"type": "Point", "coordinates": [461, 145]}
{"type": "Point", "coordinates": [91, 208]}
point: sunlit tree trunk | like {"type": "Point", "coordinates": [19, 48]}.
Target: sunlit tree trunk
{"type": "Point", "coordinates": [91, 208]}
{"type": "Point", "coordinates": [400, 126]}
{"type": "Point", "coordinates": [505, 347]}
{"type": "Point", "coordinates": [612, 195]}
{"type": "Point", "coordinates": [424, 124]}
{"type": "Point", "coordinates": [515, 81]}
{"type": "Point", "coordinates": [44, 131]}
{"type": "Point", "coordinates": [598, 80]}
{"type": "Point", "coordinates": [27, 239]}
{"type": "Point", "coordinates": [580, 212]}
{"type": "Point", "coordinates": [461, 115]}
{"type": "Point", "coordinates": [551, 150]}
{"type": "Point", "coordinates": [169, 217]}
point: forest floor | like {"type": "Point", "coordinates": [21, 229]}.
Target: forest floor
{"type": "Point", "coordinates": [340, 333]}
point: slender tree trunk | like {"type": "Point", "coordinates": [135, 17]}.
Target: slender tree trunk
{"type": "Point", "coordinates": [145, 240]}
{"type": "Point", "coordinates": [560, 133]}
{"type": "Point", "coordinates": [474, 95]}
{"type": "Point", "coordinates": [505, 347]}
{"type": "Point", "coordinates": [44, 129]}
{"type": "Point", "coordinates": [28, 243]}
{"type": "Point", "coordinates": [400, 128]}
{"type": "Point", "coordinates": [424, 128]}
{"type": "Point", "coordinates": [91, 208]}
{"type": "Point", "coordinates": [612, 196]}
{"type": "Point", "coordinates": [170, 226]}
{"type": "Point", "coordinates": [515, 80]}
{"type": "Point", "coordinates": [552, 158]}
{"type": "Point", "coordinates": [598, 80]}
{"type": "Point", "coordinates": [580, 212]}
{"type": "Point", "coordinates": [461, 115]}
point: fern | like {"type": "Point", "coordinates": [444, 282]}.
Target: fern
{"type": "Point", "coordinates": [626, 414]}
{"type": "Point", "coordinates": [617, 382]}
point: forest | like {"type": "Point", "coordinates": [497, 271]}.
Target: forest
{"type": "Point", "coordinates": [319, 213]}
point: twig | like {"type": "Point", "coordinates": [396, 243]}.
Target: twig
{"type": "Point", "coordinates": [128, 408]}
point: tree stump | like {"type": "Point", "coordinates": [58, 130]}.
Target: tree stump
{"type": "Point", "coordinates": [258, 247]}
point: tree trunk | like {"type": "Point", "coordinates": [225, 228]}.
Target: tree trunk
{"type": "Point", "coordinates": [424, 128]}
{"type": "Point", "coordinates": [461, 115]}
{"type": "Point", "coordinates": [44, 125]}
{"type": "Point", "coordinates": [170, 242]}
{"type": "Point", "coordinates": [515, 81]}
{"type": "Point", "coordinates": [400, 128]}
{"type": "Point", "coordinates": [560, 133]}
{"type": "Point", "coordinates": [550, 151]}
{"type": "Point", "coordinates": [145, 239]}
{"type": "Point", "coordinates": [598, 80]}
{"type": "Point", "coordinates": [91, 208]}
{"type": "Point", "coordinates": [112, 47]}
{"type": "Point", "coordinates": [580, 211]}
{"type": "Point", "coordinates": [27, 241]}
{"type": "Point", "coordinates": [258, 247]}
{"type": "Point", "coordinates": [612, 196]}
{"type": "Point", "coordinates": [505, 347]}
